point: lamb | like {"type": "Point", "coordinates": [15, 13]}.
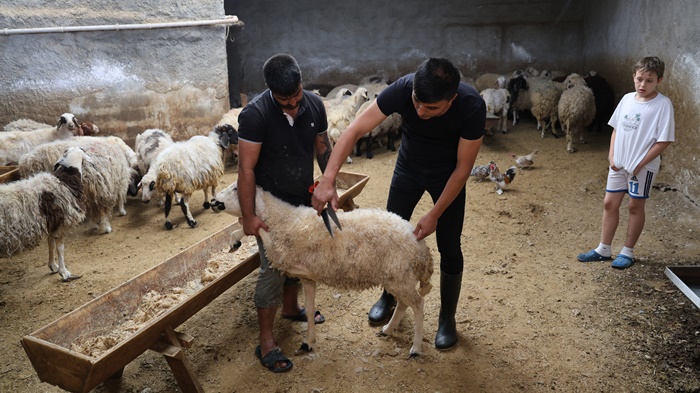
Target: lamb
{"type": "Point", "coordinates": [88, 129]}
{"type": "Point", "coordinates": [13, 144]}
{"type": "Point", "coordinates": [497, 103]}
{"type": "Point", "coordinates": [299, 245]}
{"type": "Point", "coordinates": [44, 205]}
{"type": "Point", "coordinates": [106, 179]}
{"type": "Point", "coordinates": [341, 114]}
{"type": "Point", "coordinates": [544, 98]}
{"type": "Point", "coordinates": [576, 109]}
{"type": "Point", "coordinates": [231, 118]}
{"type": "Point", "coordinates": [188, 166]}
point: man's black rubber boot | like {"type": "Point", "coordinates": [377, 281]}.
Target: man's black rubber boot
{"type": "Point", "coordinates": [382, 309]}
{"type": "Point", "coordinates": [450, 286]}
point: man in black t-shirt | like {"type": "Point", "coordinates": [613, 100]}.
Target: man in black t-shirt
{"type": "Point", "coordinates": [279, 132]}
{"type": "Point", "coordinates": [443, 127]}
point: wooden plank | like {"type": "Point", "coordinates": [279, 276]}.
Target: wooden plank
{"type": "Point", "coordinates": [181, 367]}
{"type": "Point", "coordinates": [8, 174]}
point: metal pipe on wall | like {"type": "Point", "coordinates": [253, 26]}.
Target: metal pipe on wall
{"type": "Point", "coordinates": [227, 20]}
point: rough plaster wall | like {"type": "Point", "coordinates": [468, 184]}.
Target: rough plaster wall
{"type": "Point", "coordinates": [618, 33]}
{"type": "Point", "coordinates": [124, 81]}
{"type": "Point", "coordinates": [338, 42]}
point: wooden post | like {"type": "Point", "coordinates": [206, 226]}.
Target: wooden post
{"type": "Point", "coordinates": [179, 365]}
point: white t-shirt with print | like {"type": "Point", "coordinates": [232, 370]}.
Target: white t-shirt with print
{"type": "Point", "coordinates": [638, 126]}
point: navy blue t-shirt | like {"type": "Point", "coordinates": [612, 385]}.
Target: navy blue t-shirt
{"type": "Point", "coordinates": [432, 144]}
{"type": "Point", "coordinates": [285, 167]}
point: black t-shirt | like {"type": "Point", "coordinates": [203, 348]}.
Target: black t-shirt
{"type": "Point", "coordinates": [285, 167]}
{"type": "Point", "coordinates": [432, 144]}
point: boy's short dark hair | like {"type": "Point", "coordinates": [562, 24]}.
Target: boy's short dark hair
{"type": "Point", "coordinates": [651, 64]}
{"type": "Point", "coordinates": [282, 75]}
{"type": "Point", "coordinates": [435, 80]}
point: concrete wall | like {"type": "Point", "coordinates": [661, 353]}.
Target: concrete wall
{"type": "Point", "coordinates": [340, 42]}
{"type": "Point", "coordinates": [124, 81]}
{"type": "Point", "coordinates": [617, 33]}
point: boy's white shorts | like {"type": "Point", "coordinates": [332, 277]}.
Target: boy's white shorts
{"type": "Point", "coordinates": [637, 186]}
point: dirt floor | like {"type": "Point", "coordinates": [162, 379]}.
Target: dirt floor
{"type": "Point", "coordinates": [531, 318]}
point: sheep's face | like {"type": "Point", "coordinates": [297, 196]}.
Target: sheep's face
{"type": "Point", "coordinates": [147, 186]}
{"type": "Point", "coordinates": [68, 122]}
{"type": "Point", "coordinates": [226, 201]}
{"type": "Point", "coordinates": [73, 158]}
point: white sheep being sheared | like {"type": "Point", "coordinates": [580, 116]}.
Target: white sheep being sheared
{"type": "Point", "coordinates": [374, 248]}
{"type": "Point", "coordinates": [576, 109]}
{"type": "Point", "coordinates": [497, 104]}
{"type": "Point", "coordinates": [106, 179]}
{"type": "Point", "coordinates": [187, 166]}
{"type": "Point", "coordinates": [13, 144]}
{"type": "Point", "coordinates": [45, 205]}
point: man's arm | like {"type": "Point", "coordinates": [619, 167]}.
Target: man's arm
{"type": "Point", "coordinates": [467, 150]}
{"type": "Point", "coordinates": [325, 191]}
{"type": "Point", "coordinates": [248, 154]}
{"type": "Point", "coordinates": [323, 150]}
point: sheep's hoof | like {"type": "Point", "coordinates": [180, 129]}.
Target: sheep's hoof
{"type": "Point", "coordinates": [168, 225]}
{"type": "Point", "coordinates": [70, 277]}
{"type": "Point", "coordinates": [304, 348]}
{"type": "Point", "coordinates": [235, 246]}
{"type": "Point", "coordinates": [192, 223]}
{"type": "Point", "coordinates": [381, 334]}
{"type": "Point", "coordinates": [413, 355]}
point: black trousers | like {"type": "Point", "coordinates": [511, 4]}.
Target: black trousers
{"type": "Point", "coordinates": [407, 187]}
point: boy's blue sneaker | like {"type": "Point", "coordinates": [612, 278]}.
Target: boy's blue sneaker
{"type": "Point", "coordinates": [592, 256]}
{"type": "Point", "coordinates": [622, 262]}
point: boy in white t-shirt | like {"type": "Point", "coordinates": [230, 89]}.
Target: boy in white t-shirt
{"type": "Point", "coordinates": [643, 127]}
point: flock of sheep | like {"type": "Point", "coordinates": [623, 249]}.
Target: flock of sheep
{"type": "Point", "coordinates": [573, 101]}
{"type": "Point", "coordinates": [35, 207]}
{"type": "Point", "coordinates": [70, 175]}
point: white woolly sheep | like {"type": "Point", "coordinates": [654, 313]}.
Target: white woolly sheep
{"type": "Point", "coordinates": [231, 118]}
{"type": "Point", "coordinates": [497, 104]}
{"type": "Point", "coordinates": [148, 145]}
{"type": "Point", "coordinates": [544, 100]}
{"type": "Point", "coordinates": [106, 178]}
{"type": "Point", "coordinates": [25, 125]}
{"type": "Point", "coordinates": [341, 114]}
{"type": "Point", "coordinates": [13, 144]}
{"type": "Point", "coordinates": [45, 205]}
{"type": "Point", "coordinates": [390, 256]}
{"type": "Point", "coordinates": [188, 166]}
{"type": "Point", "coordinates": [576, 109]}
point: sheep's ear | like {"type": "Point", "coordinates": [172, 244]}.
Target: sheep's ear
{"type": "Point", "coordinates": [223, 139]}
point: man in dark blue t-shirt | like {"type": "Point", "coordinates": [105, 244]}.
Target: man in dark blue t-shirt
{"type": "Point", "coordinates": [443, 127]}
{"type": "Point", "coordinates": [279, 131]}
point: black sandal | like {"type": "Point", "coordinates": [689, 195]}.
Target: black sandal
{"type": "Point", "coordinates": [272, 359]}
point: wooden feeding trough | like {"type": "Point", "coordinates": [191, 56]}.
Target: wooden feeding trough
{"type": "Point", "coordinates": [50, 349]}
{"type": "Point", "coordinates": [8, 174]}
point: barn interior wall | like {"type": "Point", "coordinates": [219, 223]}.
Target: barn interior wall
{"type": "Point", "coordinates": [617, 33]}
{"type": "Point", "coordinates": [342, 42]}
{"type": "Point", "coordinates": [124, 81]}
